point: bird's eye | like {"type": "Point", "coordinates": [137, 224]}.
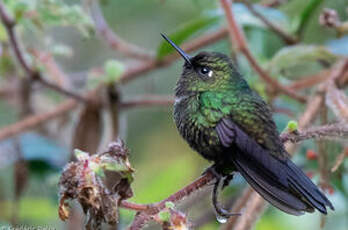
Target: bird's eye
{"type": "Point", "coordinates": [206, 71]}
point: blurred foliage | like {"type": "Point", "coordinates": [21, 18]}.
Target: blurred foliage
{"type": "Point", "coordinates": [163, 161]}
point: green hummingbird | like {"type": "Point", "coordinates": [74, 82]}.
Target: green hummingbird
{"type": "Point", "coordinates": [225, 121]}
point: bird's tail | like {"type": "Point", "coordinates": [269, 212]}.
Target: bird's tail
{"type": "Point", "coordinates": [289, 189]}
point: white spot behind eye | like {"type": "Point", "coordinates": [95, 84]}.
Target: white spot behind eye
{"type": "Point", "coordinates": [210, 74]}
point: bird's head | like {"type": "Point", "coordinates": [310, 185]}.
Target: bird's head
{"type": "Point", "coordinates": [207, 71]}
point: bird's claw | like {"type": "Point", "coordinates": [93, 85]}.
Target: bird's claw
{"type": "Point", "coordinates": [218, 209]}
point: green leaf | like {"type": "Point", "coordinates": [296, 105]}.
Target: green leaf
{"type": "Point", "coordinates": [97, 169]}
{"type": "Point", "coordinates": [113, 70]}
{"type": "Point", "coordinates": [292, 126]}
{"type": "Point", "coordinates": [114, 166]}
{"type": "Point", "coordinates": [306, 14]}
{"type": "Point", "coordinates": [164, 216]}
{"type": "Point", "coordinates": [185, 31]}
{"type": "Point", "coordinates": [80, 155]}
{"type": "Point", "coordinates": [170, 204]}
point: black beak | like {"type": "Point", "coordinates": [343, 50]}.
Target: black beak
{"type": "Point", "coordinates": [177, 48]}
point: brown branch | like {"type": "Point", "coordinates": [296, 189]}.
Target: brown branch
{"type": "Point", "coordinates": [9, 24]}
{"type": "Point", "coordinates": [309, 81]}
{"type": "Point", "coordinates": [112, 39]}
{"type": "Point", "coordinates": [237, 38]}
{"type": "Point", "coordinates": [339, 160]}
{"type": "Point", "coordinates": [56, 74]}
{"type": "Point", "coordinates": [148, 100]}
{"type": "Point", "coordinates": [61, 90]}
{"type": "Point", "coordinates": [287, 38]}
{"type": "Point", "coordinates": [135, 207]}
{"type": "Point", "coordinates": [35, 120]}
{"type": "Point", "coordinates": [255, 203]}
{"type": "Point", "coordinates": [237, 207]}
{"type": "Point", "coordinates": [139, 221]}
{"type": "Point", "coordinates": [325, 132]}
{"type": "Point", "coordinates": [146, 211]}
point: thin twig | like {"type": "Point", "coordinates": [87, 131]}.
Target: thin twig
{"type": "Point", "coordinates": [140, 220]}
{"type": "Point", "coordinates": [339, 160]}
{"type": "Point", "coordinates": [111, 38]}
{"type": "Point", "coordinates": [309, 81]}
{"type": "Point", "coordinates": [237, 207]}
{"type": "Point", "coordinates": [287, 38]}
{"type": "Point", "coordinates": [143, 216]}
{"type": "Point", "coordinates": [35, 120]}
{"type": "Point", "coordinates": [148, 100]}
{"type": "Point", "coordinates": [325, 132]}
{"type": "Point", "coordinates": [255, 203]}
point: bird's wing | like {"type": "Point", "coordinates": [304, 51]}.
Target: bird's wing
{"type": "Point", "coordinates": [253, 145]}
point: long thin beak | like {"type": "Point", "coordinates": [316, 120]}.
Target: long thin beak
{"type": "Point", "coordinates": [177, 48]}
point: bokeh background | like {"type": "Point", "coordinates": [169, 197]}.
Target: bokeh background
{"type": "Point", "coordinates": [64, 31]}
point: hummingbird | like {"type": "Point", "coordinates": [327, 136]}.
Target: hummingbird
{"type": "Point", "coordinates": [228, 123]}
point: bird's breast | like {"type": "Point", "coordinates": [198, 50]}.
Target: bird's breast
{"type": "Point", "coordinates": [195, 129]}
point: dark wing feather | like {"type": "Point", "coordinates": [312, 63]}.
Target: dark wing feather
{"type": "Point", "coordinates": [276, 179]}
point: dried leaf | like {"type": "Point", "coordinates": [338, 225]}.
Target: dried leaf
{"type": "Point", "coordinates": [85, 181]}
{"type": "Point", "coordinates": [63, 209]}
{"type": "Point", "coordinates": [88, 131]}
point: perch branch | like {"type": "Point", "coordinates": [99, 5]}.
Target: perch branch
{"type": "Point", "coordinates": [249, 198]}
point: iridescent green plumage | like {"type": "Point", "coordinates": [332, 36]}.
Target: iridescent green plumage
{"type": "Point", "coordinates": [225, 121]}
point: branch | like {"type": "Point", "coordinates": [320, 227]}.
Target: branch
{"type": "Point", "coordinates": [287, 38]}
{"type": "Point", "coordinates": [148, 100]}
{"type": "Point", "coordinates": [112, 39]}
{"type": "Point", "coordinates": [35, 120]}
{"type": "Point", "coordinates": [309, 81]}
{"type": "Point", "coordinates": [327, 132]}
{"type": "Point", "coordinates": [140, 220]}
{"type": "Point", "coordinates": [255, 203]}
{"type": "Point", "coordinates": [9, 24]}
{"type": "Point", "coordinates": [237, 207]}
{"type": "Point", "coordinates": [237, 37]}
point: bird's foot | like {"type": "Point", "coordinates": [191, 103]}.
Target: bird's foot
{"type": "Point", "coordinates": [212, 170]}
{"type": "Point", "coordinates": [218, 209]}
{"type": "Point", "coordinates": [219, 176]}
